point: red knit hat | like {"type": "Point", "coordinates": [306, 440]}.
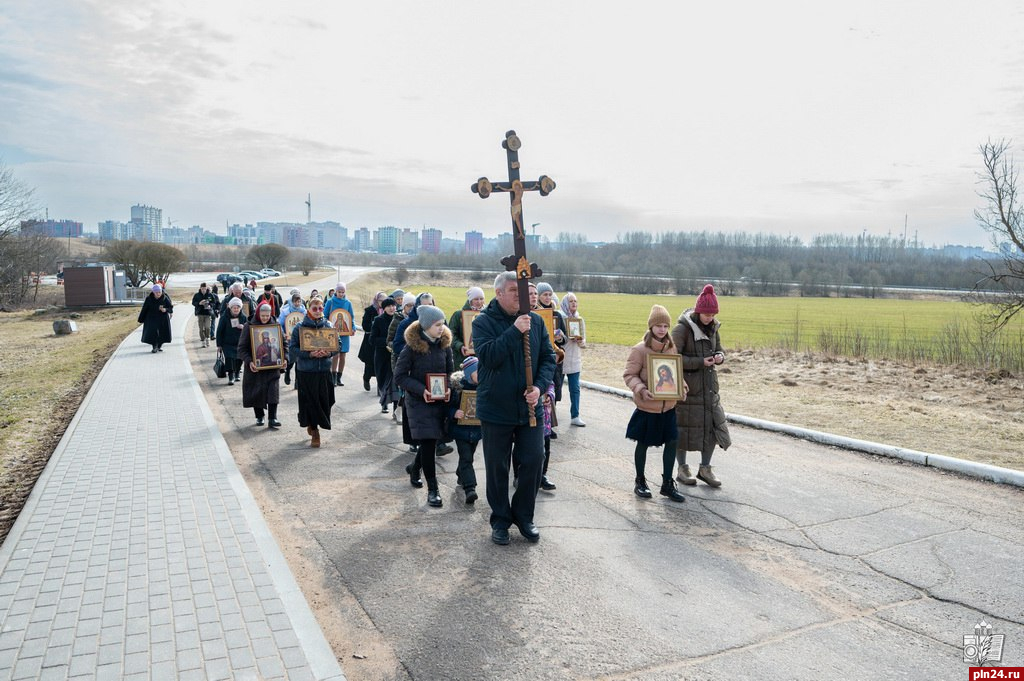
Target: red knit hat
{"type": "Point", "coordinates": [707, 302]}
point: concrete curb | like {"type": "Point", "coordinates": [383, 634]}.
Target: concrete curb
{"type": "Point", "coordinates": [1004, 476]}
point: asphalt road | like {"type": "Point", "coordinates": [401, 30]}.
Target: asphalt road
{"type": "Point", "coordinates": [809, 563]}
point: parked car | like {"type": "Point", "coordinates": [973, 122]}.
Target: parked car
{"type": "Point", "coordinates": [226, 279]}
{"type": "Point", "coordinates": [269, 272]}
{"type": "Point", "coordinates": [250, 274]}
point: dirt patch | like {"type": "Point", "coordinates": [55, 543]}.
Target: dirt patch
{"type": "Point", "coordinates": [43, 379]}
{"type": "Point", "coordinates": [966, 413]}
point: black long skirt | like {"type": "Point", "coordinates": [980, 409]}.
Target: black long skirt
{"type": "Point", "coordinates": [316, 397]}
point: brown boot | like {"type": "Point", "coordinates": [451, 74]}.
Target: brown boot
{"type": "Point", "coordinates": [705, 474]}
{"type": "Point", "coordinates": [315, 439]}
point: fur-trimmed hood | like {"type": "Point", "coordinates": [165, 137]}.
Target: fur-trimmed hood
{"type": "Point", "coordinates": [417, 343]}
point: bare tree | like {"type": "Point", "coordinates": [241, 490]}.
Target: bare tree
{"type": "Point", "coordinates": [16, 202]}
{"type": "Point", "coordinates": [1003, 217]}
{"type": "Point", "coordinates": [125, 254]}
{"type": "Point", "coordinates": [273, 256]}
{"type": "Point", "coordinates": [157, 261]}
{"type": "Point", "coordinates": [306, 260]}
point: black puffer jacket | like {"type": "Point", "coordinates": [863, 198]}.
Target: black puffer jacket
{"type": "Point", "coordinates": [421, 357]}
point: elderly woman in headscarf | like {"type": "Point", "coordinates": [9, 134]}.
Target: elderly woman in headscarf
{"type": "Point", "coordinates": [155, 318]}
{"type": "Point", "coordinates": [366, 352]}
{"type": "Point", "coordinates": [313, 374]}
{"type": "Point", "coordinates": [229, 330]}
{"type": "Point", "coordinates": [260, 389]}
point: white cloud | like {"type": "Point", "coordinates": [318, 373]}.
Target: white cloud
{"type": "Point", "coordinates": [793, 117]}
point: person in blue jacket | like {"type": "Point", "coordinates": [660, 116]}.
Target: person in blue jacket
{"type": "Point", "coordinates": [340, 301]}
{"type": "Point", "coordinates": [504, 403]}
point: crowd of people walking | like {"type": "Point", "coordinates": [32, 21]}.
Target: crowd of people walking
{"type": "Point", "coordinates": [463, 379]}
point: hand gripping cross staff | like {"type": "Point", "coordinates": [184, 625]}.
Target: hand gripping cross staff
{"type": "Point", "coordinates": [517, 262]}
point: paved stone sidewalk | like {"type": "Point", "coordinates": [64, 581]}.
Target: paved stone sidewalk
{"type": "Point", "coordinates": [141, 552]}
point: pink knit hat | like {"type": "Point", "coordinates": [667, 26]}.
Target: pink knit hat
{"type": "Point", "coordinates": [707, 301]}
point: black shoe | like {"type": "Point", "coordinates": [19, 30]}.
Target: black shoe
{"type": "Point", "coordinates": [471, 495]}
{"type": "Point", "coordinates": [231, 379]}
{"type": "Point", "coordinates": [443, 449]}
{"type": "Point", "coordinates": [641, 489]}
{"type": "Point", "coordinates": [259, 421]}
{"type": "Point", "coordinates": [668, 489]}
{"type": "Point", "coordinates": [434, 499]}
{"type": "Point", "coordinates": [384, 409]}
{"type": "Point", "coordinates": [499, 535]}
{"type": "Point", "coordinates": [274, 424]}
{"type": "Point", "coordinates": [554, 435]}
{"type": "Point", "coordinates": [547, 485]}
{"type": "Point", "coordinates": [414, 476]}
{"type": "Point", "coordinates": [153, 351]}
{"type": "Point", "coordinates": [413, 449]}
{"type": "Point", "coordinates": [287, 379]}
{"type": "Point", "coordinates": [366, 384]}
{"type": "Point", "coordinates": [159, 348]}
{"type": "Point", "coordinates": [529, 532]}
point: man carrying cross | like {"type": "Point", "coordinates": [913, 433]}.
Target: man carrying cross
{"type": "Point", "coordinates": [504, 404]}
{"type": "Point", "coordinates": [517, 364]}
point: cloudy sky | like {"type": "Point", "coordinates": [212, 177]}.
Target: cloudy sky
{"type": "Point", "coordinates": [791, 117]}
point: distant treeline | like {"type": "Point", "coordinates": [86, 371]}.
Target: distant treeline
{"type": "Point", "coordinates": [741, 263]}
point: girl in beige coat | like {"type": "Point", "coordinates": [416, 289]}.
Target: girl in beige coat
{"type": "Point", "coordinates": [653, 422]}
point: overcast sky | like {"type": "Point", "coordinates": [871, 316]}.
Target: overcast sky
{"type": "Point", "coordinates": [791, 117]}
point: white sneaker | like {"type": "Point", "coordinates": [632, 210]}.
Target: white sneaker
{"type": "Point", "coordinates": [578, 422]}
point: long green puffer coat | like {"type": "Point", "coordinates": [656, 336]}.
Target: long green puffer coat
{"type": "Point", "coordinates": [701, 418]}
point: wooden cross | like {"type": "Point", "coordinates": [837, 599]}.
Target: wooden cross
{"type": "Point", "coordinates": [517, 262]}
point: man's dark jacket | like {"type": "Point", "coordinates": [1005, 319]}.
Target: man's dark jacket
{"type": "Point", "coordinates": [499, 346]}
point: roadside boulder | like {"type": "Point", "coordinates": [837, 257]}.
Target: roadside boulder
{"type": "Point", "coordinates": [63, 327]}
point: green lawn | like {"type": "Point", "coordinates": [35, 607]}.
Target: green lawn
{"type": "Point", "coordinates": [911, 329]}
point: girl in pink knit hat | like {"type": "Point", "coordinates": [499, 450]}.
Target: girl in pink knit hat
{"type": "Point", "coordinates": [701, 418]}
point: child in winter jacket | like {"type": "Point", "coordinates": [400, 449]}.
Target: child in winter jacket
{"type": "Point", "coordinates": [466, 436]}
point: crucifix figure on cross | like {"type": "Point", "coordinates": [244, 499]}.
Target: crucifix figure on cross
{"type": "Point", "coordinates": [518, 262]}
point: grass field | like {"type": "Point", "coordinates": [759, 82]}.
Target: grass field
{"type": "Point", "coordinates": [929, 330]}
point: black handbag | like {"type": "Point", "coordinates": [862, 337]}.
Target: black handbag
{"type": "Point", "coordinates": [219, 367]}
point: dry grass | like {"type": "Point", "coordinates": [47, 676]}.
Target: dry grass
{"type": "Point", "coordinates": [962, 412]}
{"type": "Point", "coordinates": [43, 379]}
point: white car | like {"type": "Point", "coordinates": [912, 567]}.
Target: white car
{"type": "Point", "coordinates": [269, 272]}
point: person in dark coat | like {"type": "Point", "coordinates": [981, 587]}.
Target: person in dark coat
{"type": "Point", "coordinates": [155, 318]}
{"type": "Point", "coordinates": [260, 389]}
{"type": "Point", "coordinates": [214, 312]}
{"type": "Point", "coordinates": [229, 330]}
{"type": "Point", "coordinates": [313, 374]}
{"type": "Point", "coordinates": [504, 402]}
{"type": "Point", "coordinates": [701, 418]}
{"type": "Point", "coordinates": [386, 390]}
{"type": "Point", "coordinates": [366, 352]}
{"type": "Point", "coordinates": [204, 301]}
{"type": "Point", "coordinates": [427, 351]}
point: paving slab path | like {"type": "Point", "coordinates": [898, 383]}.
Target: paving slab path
{"type": "Point", "coordinates": [141, 554]}
{"type": "Point", "coordinates": [810, 562]}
